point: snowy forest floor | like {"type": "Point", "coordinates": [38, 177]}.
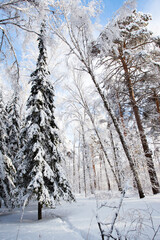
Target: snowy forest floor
{"type": "Point", "coordinates": [138, 219]}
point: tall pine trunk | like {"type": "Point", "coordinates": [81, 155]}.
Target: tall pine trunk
{"type": "Point", "coordinates": [146, 149]}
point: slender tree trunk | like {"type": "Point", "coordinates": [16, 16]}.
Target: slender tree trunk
{"type": "Point", "coordinates": [84, 175]}
{"type": "Point", "coordinates": [39, 211]}
{"type": "Point", "coordinates": [147, 151]}
{"type": "Point", "coordinates": [86, 158]}
{"type": "Point", "coordinates": [74, 167]}
{"type": "Point", "coordinates": [79, 160]}
{"type": "Point", "coordinates": [93, 166]}
{"type": "Point", "coordinates": [94, 173]}
{"type": "Point", "coordinates": [84, 166]}
{"type": "Point", "coordinates": [100, 175]}
{"type": "Point", "coordinates": [124, 145]}
{"type": "Point", "coordinates": [121, 114]}
{"type": "Point", "coordinates": [106, 173]}
{"type": "Point", "coordinates": [117, 168]}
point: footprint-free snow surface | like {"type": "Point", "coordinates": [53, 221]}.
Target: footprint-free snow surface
{"type": "Point", "coordinates": [138, 219]}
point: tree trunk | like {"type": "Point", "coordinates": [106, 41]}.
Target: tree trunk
{"type": "Point", "coordinates": [39, 211]}
{"type": "Point", "coordinates": [124, 145]}
{"type": "Point", "coordinates": [121, 114]}
{"type": "Point", "coordinates": [147, 151]}
{"type": "Point", "coordinates": [79, 175]}
{"type": "Point", "coordinates": [84, 175]}
{"type": "Point", "coordinates": [156, 99]}
{"type": "Point", "coordinates": [117, 168]}
{"type": "Point", "coordinates": [74, 167]}
{"type": "Point", "coordinates": [100, 175]}
{"type": "Point", "coordinates": [93, 166]}
{"type": "Point", "coordinates": [86, 158]}
{"type": "Point", "coordinates": [105, 169]}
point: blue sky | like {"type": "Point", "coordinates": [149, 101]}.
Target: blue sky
{"type": "Point", "coordinates": [146, 6]}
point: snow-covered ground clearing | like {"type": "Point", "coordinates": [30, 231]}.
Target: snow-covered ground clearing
{"type": "Point", "coordinates": [77, 221]}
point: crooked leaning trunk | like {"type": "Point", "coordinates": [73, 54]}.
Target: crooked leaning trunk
{"type": "Point", "coordinates": [124, 145]}
{"type": "Point", "coordinates": [147, 151]}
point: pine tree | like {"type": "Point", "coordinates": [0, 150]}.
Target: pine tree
{"type": "Point", "coordinates": [125, 43]}
{"type": "Point", "coordinates": [40, 174]}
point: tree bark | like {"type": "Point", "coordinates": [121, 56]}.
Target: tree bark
{"type": "Point", "coordinates": [39, 211]}
{"type": "Point", "coordinates": [147, 151]}
{"type": "Point", "coordinates": [156, 99]}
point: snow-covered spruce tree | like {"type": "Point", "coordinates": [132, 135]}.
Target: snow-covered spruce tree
{"type": "Point", "coordinates": [13, 128]}
{"type": "Point", "coordinates": [7, 170]}
{"type": "Point", "coordinates": [40, 174]}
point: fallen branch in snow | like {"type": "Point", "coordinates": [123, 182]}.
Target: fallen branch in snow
{"type": "Point", "coordinates": [129, 224]}
{"type": "Point", "coordinates": [109, 234]}
{"type": "Point", "coordinates": [116, 215]}
{"type": "Point", "coordinates": [155, 234]}
{"type": "Point", "coordinates": [101, 230]}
